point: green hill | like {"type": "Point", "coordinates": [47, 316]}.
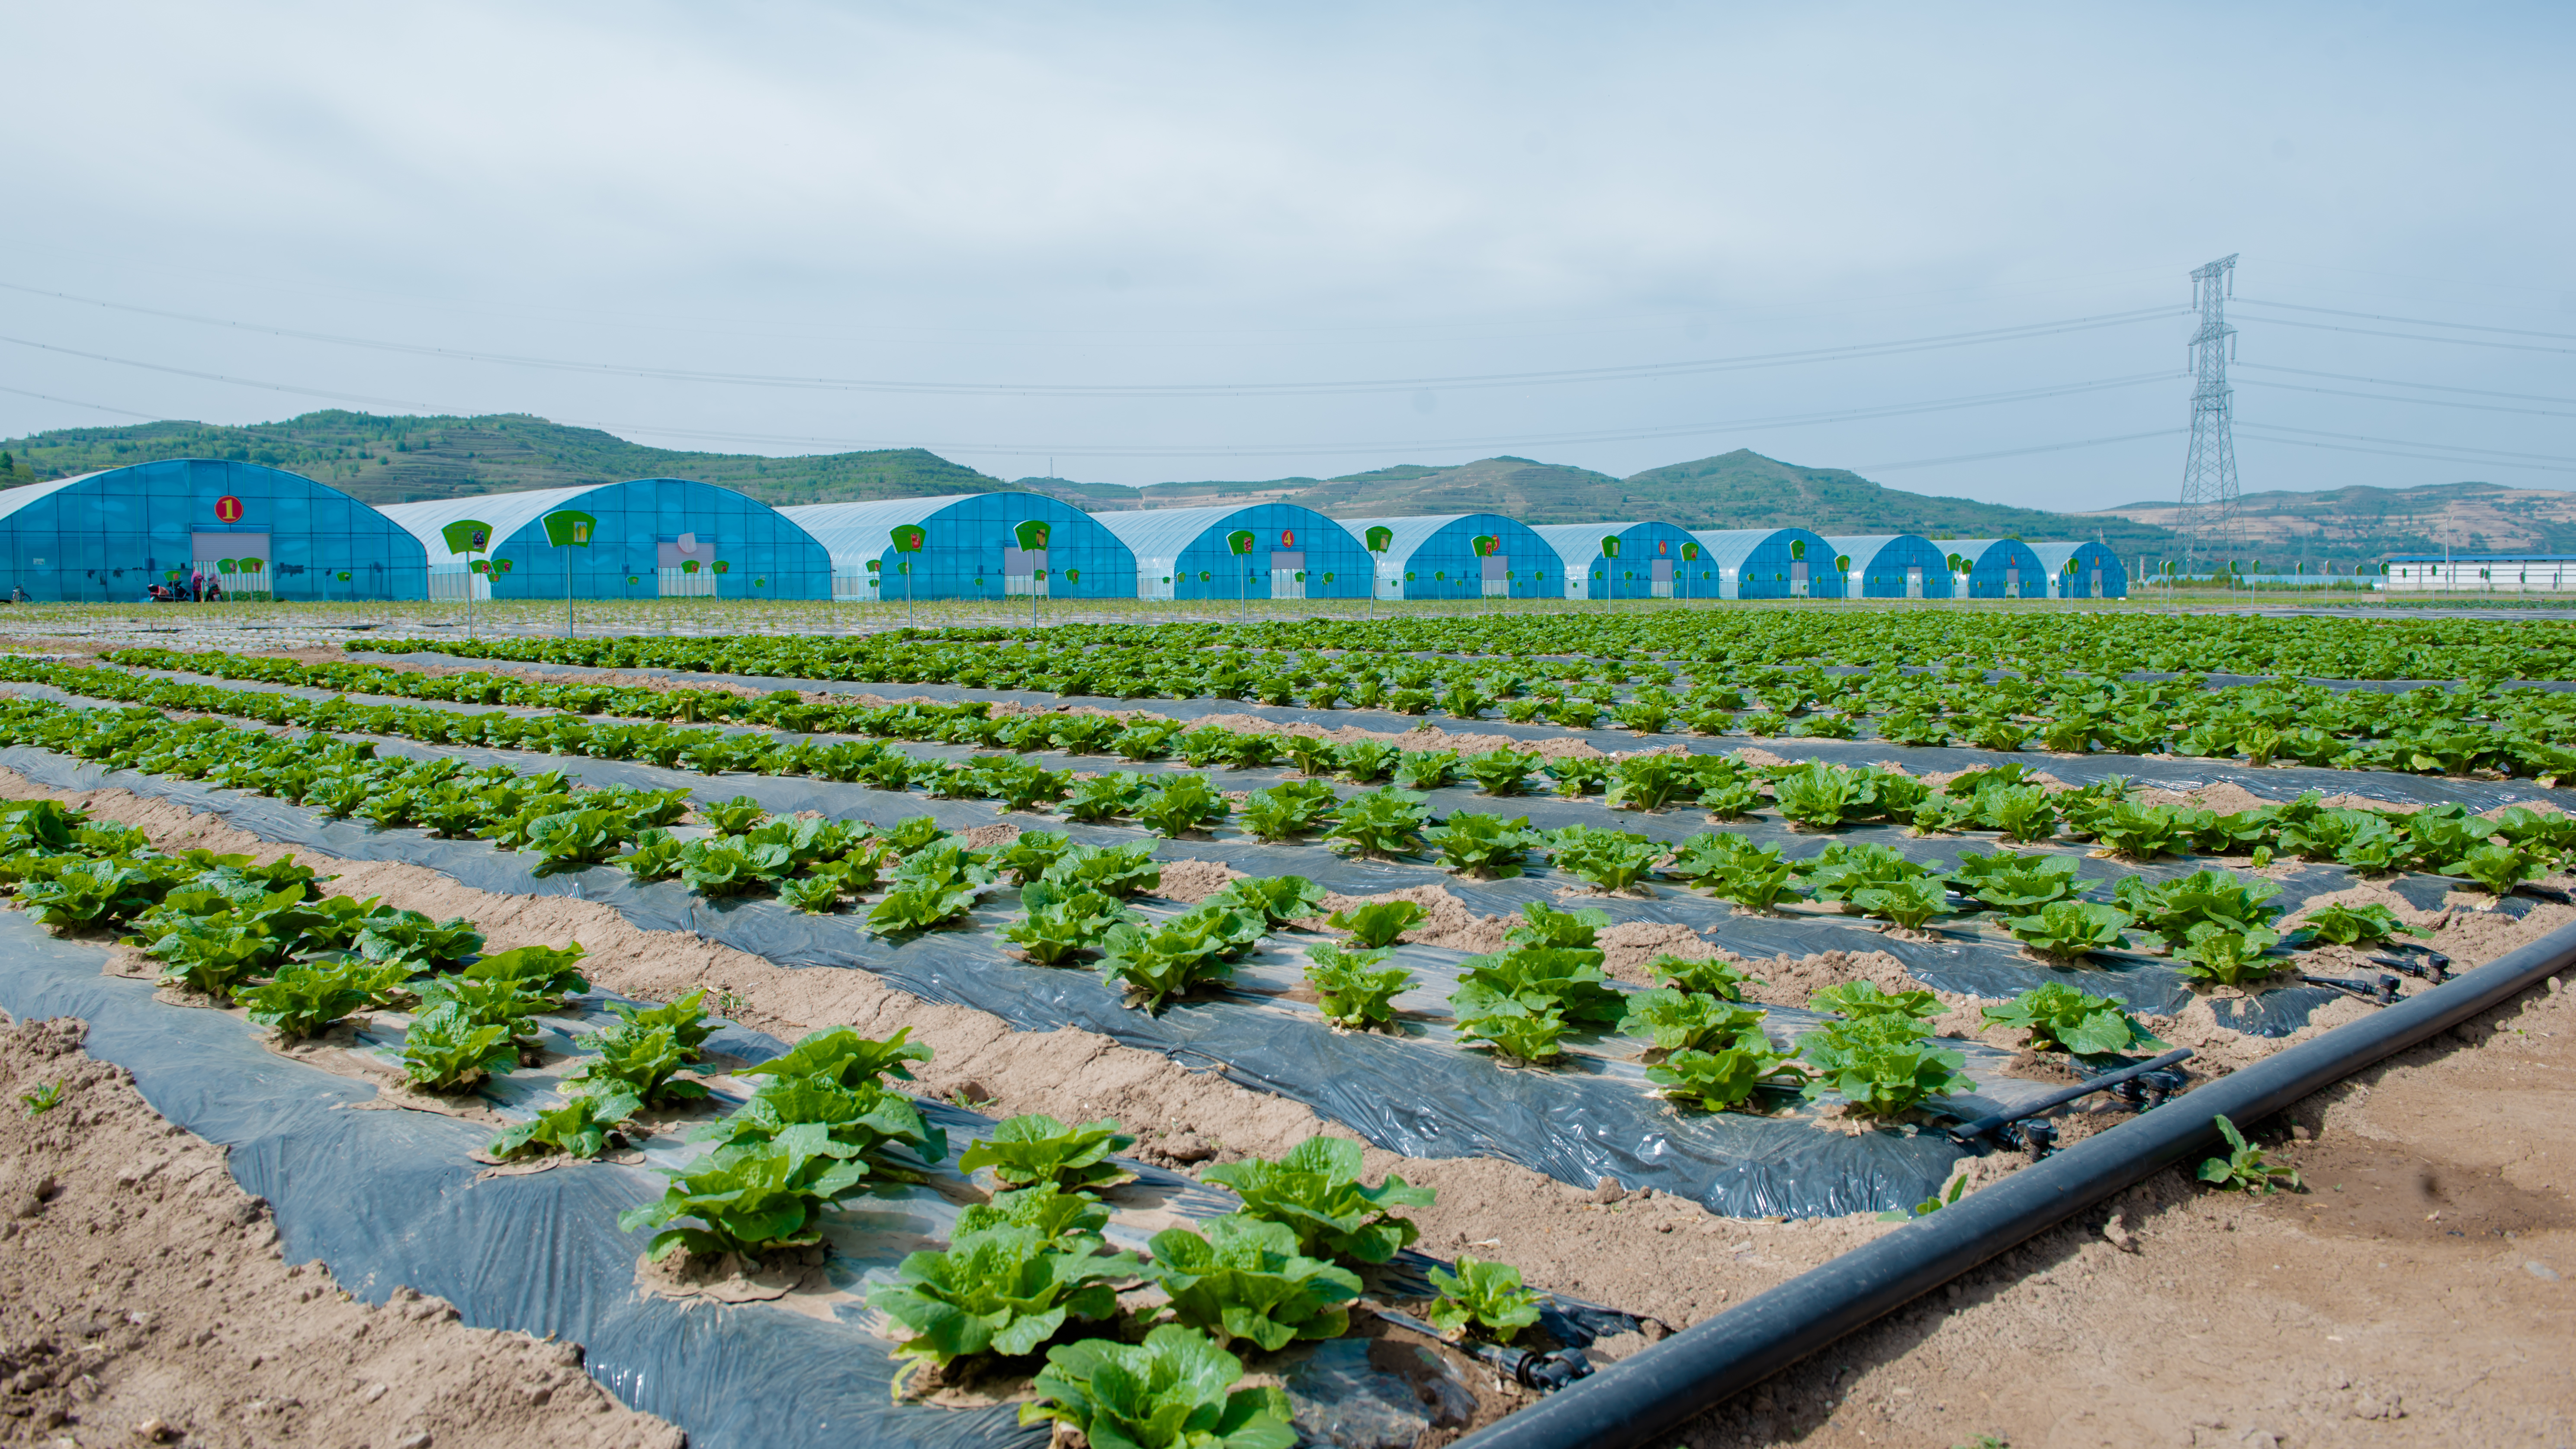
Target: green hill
{"type": "Point", "coordinates": [383, 460]}
{"type": "Point", "coordinates": [1742, 489]}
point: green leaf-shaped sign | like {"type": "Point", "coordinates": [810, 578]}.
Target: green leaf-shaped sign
{"type": "Point", "coordinates": [875, 565]}
{"type": "Point", "coordinates": [344, 576]}
{"type": "Point", "coordinates": [1842, 563]}
{"type": "Point", "coordinates": [1610, 545]}
{"type": "Point", "coordinates": [500, 566]}
{"type": "Point", "coordinates": [1032, 535]}
{"type": "Point", "coordinates": [1073, 576]}
{"type": "Point", "coordinates": [1484, 544]}
{"type": "Point", "coordinates": [1380, 538]}
{"type": "Point", "coordinates": [224, 566]}
{"type": "Point", "coordinates": [690, 565]}
{"type": "Point", "coordinates": [253, 565]}
{"type": "Point", "coordinates": [1239, 541]}
{"type": "Point", "coordinates": [1797, 548]}
{"type": "Point", "coordinates": [1690, 551]}
{"type": "Point", "coordinates": [722, 566]}
{"type": "Point", "coordinates": [481, 566]}
{"type": "Point", "coordinates": [909, 538]}
{"type": "Point", "coordinates": [467, 535]}
{"type": "Point", "coordinates": [569, 528]}
{"type": "Point", "coordinates": [632, 581]}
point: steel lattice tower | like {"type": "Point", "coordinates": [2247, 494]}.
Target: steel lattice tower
{"type": "Point", "coordinates": [2209, 474]}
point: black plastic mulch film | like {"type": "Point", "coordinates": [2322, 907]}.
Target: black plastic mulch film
{"type": "Point", "coordinates": [1421, 1095]}
{"type": "Point", "coordinates": [391, 1199]}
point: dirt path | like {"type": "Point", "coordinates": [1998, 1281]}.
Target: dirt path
{"type": "Point", "coordinates": [144, 1300]}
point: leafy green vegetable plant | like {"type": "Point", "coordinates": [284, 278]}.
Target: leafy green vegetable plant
{"type": "Point", "coordinates": [1351, 988]}
{"type": "Point", "coordinates": [1156, 963]}
{"type": "Point", "coordinates": [1683, 1021]}
{"type": "Point", "coordinates": [2060, 1017]}
{"type": "Point", "coordinates": [1240, 1277]}
{"type": "Point", "coordinates": [2216, 954]}
{"type": "Point", "coordinates": [1289, 809]}
{"type": "Point", "coordinates": [1483, 845]}
{"type": "Point", "coordinates": [1721, 1080]}
{"type": "Point", "coordinates": [1386, 822]}
{"type": "Point", "coordinates": [2011, 881]}
{"type": "Point", "coordinates": [1483, 1295]}
{"type": "Point", "coordinates": [2244, 1168]}
{"type": "Point", "coordinates": [1173, 1391]}
{"type": "Point", "coordinates": [1063, 922]}
{"type": "Point", "coordinates": [2069, 930]}
{"type": "Point", "coordinates": [752, 1197]}
{"type": "Point", "coordinates": [1378, 923]}
{"type": "Point", "coordinates": [305, 998]}
{"type": "Point", "coordinates": [1611, 860]}
{"type": "Point", "coordinates": [580, 1128]}
{"type": "Point", "coordinates": [1277, 899]}
{"type": "Point", "coordinates": [1706, 974]}
{"type": "Point", "coordinates": [446, 1051]}
{"type": "Point", "coordinates": [1182, 804]}
{"type": "Point", "coordinates": [2364, 925]}
{"type": "Point", "coordinates": [1028, 1150]}
{"type": "Point", "coordinates": [1315, 1191]}
{"type": "Point", "coordinates": [1881, 1064]}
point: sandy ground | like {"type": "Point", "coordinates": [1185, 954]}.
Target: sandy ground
{"type": "Point", "coordinates": [144, 1300]}
{"type": "Point", "coordinates": [2047, 1310]}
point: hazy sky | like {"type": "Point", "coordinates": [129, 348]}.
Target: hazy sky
{"type": "Point", "coordinates": [1281, 240]}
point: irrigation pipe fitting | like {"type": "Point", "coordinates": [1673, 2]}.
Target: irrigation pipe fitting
{"type": "Point", "coordinates": [1644, 1397]}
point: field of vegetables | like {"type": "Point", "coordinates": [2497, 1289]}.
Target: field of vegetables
{"type": "Point", "coordinates": [1737, 911]}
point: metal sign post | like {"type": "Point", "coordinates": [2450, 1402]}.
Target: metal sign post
{"type": "Point", "coordinates": [1031, 535]}
{"type": "Point", "coordinates": [469, 537]}
{"type": "Point", "coordinates": [1239, 543]}
{"type": "Point", "coordinates": [1380, 539]}
{"type": "Point", "coordinates": [907, 539]}
{"type": "Point", "coordinates": [567, 530]}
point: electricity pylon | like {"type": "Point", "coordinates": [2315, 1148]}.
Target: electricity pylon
{"type": "Point", "coordinates": [2209, 473]}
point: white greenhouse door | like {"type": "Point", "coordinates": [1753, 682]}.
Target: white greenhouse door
{"type": "Point", "coordinates": [1497, 574]}
{"type": "Point", "coordinates": [1287, 574]}
{"type": "Point", "coordinates": [678, 583]}
{"type": "Point", "coordinates": [1914, 582]}
{"type": "Point", "coordinates": [1663, 578]}
{"type": "Point", "coordinates": [2093, 584]}
{"type": "Point", "coordinates": [1798, 579]}
{"type": "Point", "coordinates": [2012, 583]}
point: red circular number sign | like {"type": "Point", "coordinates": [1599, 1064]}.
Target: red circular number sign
{"type": "Point", "coordinates": [228, 509]}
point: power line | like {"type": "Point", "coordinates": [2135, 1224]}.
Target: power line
{"type": "Point", "coordinates": [2413, 321]}
{"type": "Point", "coordinates": [2017, 452]}
{"type": "Point", "coordinates": [220, 377]}
{"type": "Point", "coordinates": [2435, 402]}
{"type": "Point", "coordinates": [2414, 336]}
{"type": "Point", "coordinates": [1460, 381]}
{"type": "Point", "coordinates": [2454, 448]}
{"type": "Point", "coordinates": [2422, 386]}
{"type": "Point", "coordinates": [2257, 436]}
{"type": "Point", "coordinates": [77, 403]}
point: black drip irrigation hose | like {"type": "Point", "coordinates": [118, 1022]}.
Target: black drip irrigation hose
{"type": "Point", "coordinates": [1634, 1401]}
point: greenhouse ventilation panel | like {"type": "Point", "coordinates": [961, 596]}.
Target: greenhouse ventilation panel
{"type": "Point", "coordinates": [1459, 556]}
{"type": "Point", "coordinates": [969, 546]}
{"type": "Point", "coordinates": [1997, 568]}
{"type": "Point", "coordinates": [258, 532]}
{"type": "Point", "coordinates": [1767, 563]}
{"type": "Point", "coordinates": [1189, 553]}
{"type": "Point", "coordinates": [2082, 570]}
{"type": "Point", "coordinates": [648, 538]}
{"type": "Point", "coordinates": [1892, 566]}
{"type": "Point", "coordinates": [1648, 560]}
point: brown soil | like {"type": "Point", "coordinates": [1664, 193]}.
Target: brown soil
{"type": "Point", "coordinates": [2418, 1291]}
{"type": "Point", "coordinates": [1670, 1260]}
{"type": "Point", "coordinates": [144, 1299]}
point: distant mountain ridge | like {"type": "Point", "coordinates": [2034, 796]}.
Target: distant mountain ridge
{"type": "Point", "coordinates": [2360, 523]}
{"type": "Point", "coordinates": [381, 460]}
{"type": "Point", "coordinates": [1742, 489]}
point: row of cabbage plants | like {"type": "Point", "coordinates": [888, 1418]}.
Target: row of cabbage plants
{"type": "Point", "coordinates": [2102, 643]}
{"type": "Point", "coordinates": [1026, 1270]}
{"type": "Point", "coordinates": [2520, 731]}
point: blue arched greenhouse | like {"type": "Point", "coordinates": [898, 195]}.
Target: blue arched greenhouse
{"type": "Point", "coordinates": [1769, 563]}
{"type": "Point", "coordinates": [1621, 560]}
{"type": "Point", "coordinates": [648, 538]}
{"type": "Point", "coordinates": [1185, 553]}
{"type": "Point", "coordinates": [2082, 570]}
{"type": "Point", "coordinates": [108, 537]}
{"type": "Point", "coordinates": [1460, 556]}
{"type": "Point", "coordinates": [1998, 568]}
{"type": "Point", "coordinates": [1893, 566]}
{"type": "Point", "coordinates": [969, 546]}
